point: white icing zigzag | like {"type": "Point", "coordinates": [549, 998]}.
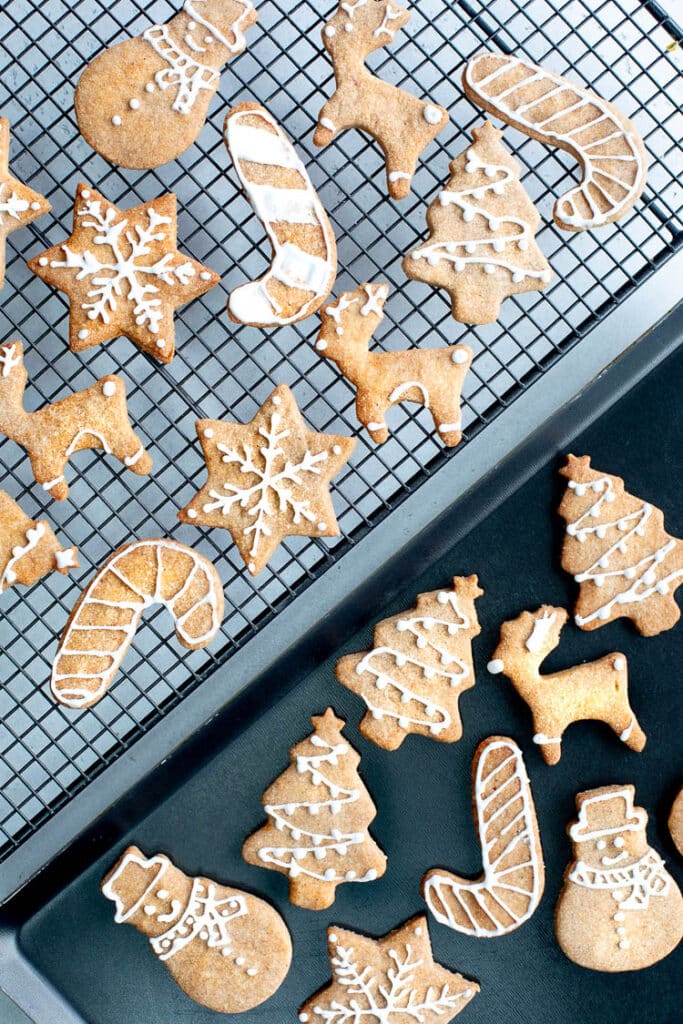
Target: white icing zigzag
{"type": "Point", "coordinates": [603, 195]}
{"type": "Point", "coordinates": [513, 875]}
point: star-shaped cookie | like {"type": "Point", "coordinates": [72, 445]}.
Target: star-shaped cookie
{"type": "Point", "coordinates": [19, 204]}
{"type": "Point", "coordinates": [393, 980]}
{"type": "Point", "coordinates": [123, 273]}
{"type": "Point", "coordinates": [268, 479]}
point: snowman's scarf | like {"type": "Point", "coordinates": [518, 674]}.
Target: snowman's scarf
{"type": "Point", "coordinates": [643, 879]}
{"type": "Point", "coordinates": [204, 917]}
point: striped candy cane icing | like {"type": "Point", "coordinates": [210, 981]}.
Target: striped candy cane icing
{"type": "Point", "coordinates": [292, 265]}
{"type": "Point", "coordinates": [511, 886]}
{"type": "Point", "coordinates": [604, 141]}
{"type": "Point", "coordinates": [102, 626]}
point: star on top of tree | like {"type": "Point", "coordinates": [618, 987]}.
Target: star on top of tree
{"type": "Point", "coordinates": [123, 273]}
{"type": "Point", "coordinates": [392, 980]}
{"type": "Point", "coordinates": [19, 204]}
{"type": "Point", "coordinates": [268, 479]}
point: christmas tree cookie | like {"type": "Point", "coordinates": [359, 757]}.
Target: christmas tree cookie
{"type": "Point", "coordinates": [123, 273]}
{"type": "Point", "coordinates": [481, 245]}
{"type": "Point", "coordinates": [401, 123]}
{"type": "Point", "coordinates": [595, 690]}
{"type": "Point", "coordinates": [268, 479]}
{"type": "Point", "coordinates": [28, 549]}
{"type": "Point", "coordinates": [19, 204]}
{"type": "Point", "coordinates": [225, 948]}
{"type": "Point", "coordinates": [144, 101]}
{"type": "Point", "coordinates": [391, 980]}
{"type": "Point", "coordinates": [619, 909]}
{"type": "Point", "coordinates": [420, 663]}
{"type": "Point", "coordinates": [617, 550]}
{"type": "Point", "coordinates": [319, 812]}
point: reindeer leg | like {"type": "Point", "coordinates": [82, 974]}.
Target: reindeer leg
{"type": "Point", "coordinates": [371, 407]}
{"type": "Point", "coordinates": [548, 735]}
{"type": "Point", "coordinates": [128, 449]}
{"type": "Point", "coordinates": [446, 415]}
{"type": "Point", "coordinates": [627, 728]}
{"type": "Point", "coordinates": [329, 121]}
{"type": "Point", "coordinates": [50, 475]}
{"type": "Point", "coordinates": [400, 169]}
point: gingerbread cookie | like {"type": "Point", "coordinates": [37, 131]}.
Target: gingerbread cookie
{"type": "Point", "coordinates": [619, 909]}
{"type": "Point", "coordinates": [268, 479]}
{"type": "Point", "coordinates": [595, 690]}
{"type": "Point", "coordinates": [144, 101]}
{"type": "Point", "coordinates": [123, 273]}
{"type": "Point", "coordinates": [19, 204]}
{"type": "Point", "coordinates": [511, 886]}
{"type": "Point", "coordinates": [676, 822]}
{"type": "Point", "coordinates": [619, 553]}
{"type": "Point", "coordinates": [108, 612]}
{"type": "Point", "coordinates": [319, 813]}
{"type": "Point", "coordinates": [421, 662]}
{"type": "Point", "coordinates": [481, 245]}
{"type": "Point", "coordinates": [553, 110]}
{"type": "Point", "coordinates": [96, 417]}
{"type": "Point", "coordinates": [402, 124]}
{"type": "Point", "coordinates": [225, 948]}
{"type": "Point", "coordinates": [392, 980]}
{"type": "Point", "coordinates": [28, 549]}
{"type": "Point", "coordinates": [304, 263]}
{"type": "Point", "coordinates": [432, 377]}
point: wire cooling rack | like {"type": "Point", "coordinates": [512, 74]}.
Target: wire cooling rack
{"type": "Point", "coordinates": [623, 48]}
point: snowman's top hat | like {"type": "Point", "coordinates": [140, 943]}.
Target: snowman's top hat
{"type": "Point", "coordinates": [131, 879]}
{"type": "Point", "coordinates": [606, 811]}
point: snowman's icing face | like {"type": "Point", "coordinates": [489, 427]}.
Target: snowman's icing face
{"type": "Point", "coordinates": [613, 850]}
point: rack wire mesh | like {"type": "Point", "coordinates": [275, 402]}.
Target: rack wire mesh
{"type": "Point", "coordinates": [625, 49]}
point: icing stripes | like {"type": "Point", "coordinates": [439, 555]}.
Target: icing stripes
{"type": "Point", "coordinates": [512, 884]}
{"type": "Point", "coordinates": [546, 105]}
{"type": "Point", "coordinates": [107, 614]}
{"type": "Point", "coordinates": [302, 261]}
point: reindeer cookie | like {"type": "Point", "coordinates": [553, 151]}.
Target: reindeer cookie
{"type": "Point", "coordinates": [391, 980]}
{"type": "Point", "coordinates": [595, 690]}
{"type": "Point", "coordinates": [420, 663]}
{"type": "Point", "coordinates": [144, 101]}
{"type": "Point", "coordinates": [96, 417]}
{"type": "Point", "coordinates": [226, 949]}
{"type": "Point", "coordinates": [511, 886]}
{"type": "Point", "coordinates": [481, 245]}
{"type": "Point", "coordinates": [431, 377]}
{"type": "Point", "coordinates": [123, 273]}
{"type": "Point", "coordinates": [617, 550]}
{"type": "Point", "coordinates": [106, 616]}
{"type": "Point", "coordinates": [268, 479]}
{"type": "Point", "coordinates": [402, 124]}
{"type": "Point", "coordinates": [277, 185]}
{"type": "Point", "coordinates": [19, 204]}
{"type": "Point", "coordinates": [619, 909]}
{"type": "Point", "coordinates": [553, 110]}
{"type": "Point", "coordinates": [28, 550]}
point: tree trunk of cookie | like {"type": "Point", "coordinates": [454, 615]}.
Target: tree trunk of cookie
{"type": "Point", "coordinates": [311, 893]}
{"type": "Point", "coordinates": [475, 306]}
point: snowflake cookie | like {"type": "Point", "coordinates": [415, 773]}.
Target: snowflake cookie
{"type": "Point", "coordinates": [19, 204]}
{"type": "Point", "coordinates": [123, 273]}
{"type": "Point", "coordinates": [268, 479]}
{"type": "Point", "coordinates": [392, 980]}
{"type": "Point", "coordinates": [226, 949]}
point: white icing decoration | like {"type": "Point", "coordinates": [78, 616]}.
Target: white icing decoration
{"type": "Point", "coordinates": [117, 120]}
{"type": "Point", "coordinates": [642, 572]}
{"type": "Point", "coordinates": [615, 191]}
{"type": "Point", "coordinates": [468, 201]}
{"type": "Point", "coordinates": [325, 122]}
{"type": "Point", "coordinates": [459, 356]}
{"type": "Point", "coordinates": [66, 559]}
{"type": "Point", "coordinates": [377, 294]}
{"type": "Point", "coordinates": [432, 115]}
{"type": "Point", "coordinates": [398, 392]}
{"type": "Point", "coordinates": [204, 917]}
{"type": "Point", "coordinates": [499, 843]}
{"type": "Point", "coordinates": [108, 388]}
{"type": "Point", "coordinates": [86, 432]}
{"type": "Point", "coordinates": [188, 75]}
{"type": "Point", "coordinates": [134, 104]}
{"type": "Point", "coordinates": [291, 266]}
{"type": "Point", "coordinates": [115, 276]}
{"type": "Point", "coordinates": [539, 633]}
{"type": "Point", "coordinates": [8, 359]}
{"type": "Point", "coordinates": [33, 536]}
{"type": "Point", "coordinates": [274, 477]}
{"type": "Point", "coordinates": [11, 205]}
{"type": "Point", "coordinates": [123, 618]}
{"type": "Point", "coordinates": [496, 666]}
{"type": "Point", "coordinates": [435, 718]}
{"type": "Point", "coordinates": [392, 14]}
{"type": "Point", "coordinates": [399, 176]}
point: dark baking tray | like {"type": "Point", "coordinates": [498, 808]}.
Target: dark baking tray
{"type": "Point", "coordinates": [60, 951]}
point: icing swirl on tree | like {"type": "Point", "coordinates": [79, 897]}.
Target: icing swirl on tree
{"type": "Point", "coordinates": [481, 245]}
{"type": "Point", "coordinates": [419, 665]}
{"type": "Point", "coordinates": [318, 811]}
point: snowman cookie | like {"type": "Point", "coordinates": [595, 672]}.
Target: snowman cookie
{"type": "Point", "coordinates": [676, 822]}
{"type": "Point", "coordinates": [619, 909]}
{"type": "Point", "coordinates": [225, 948]}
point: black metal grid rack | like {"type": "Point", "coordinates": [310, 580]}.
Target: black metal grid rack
{"type": "Point", "coordinates": [624, 49]}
